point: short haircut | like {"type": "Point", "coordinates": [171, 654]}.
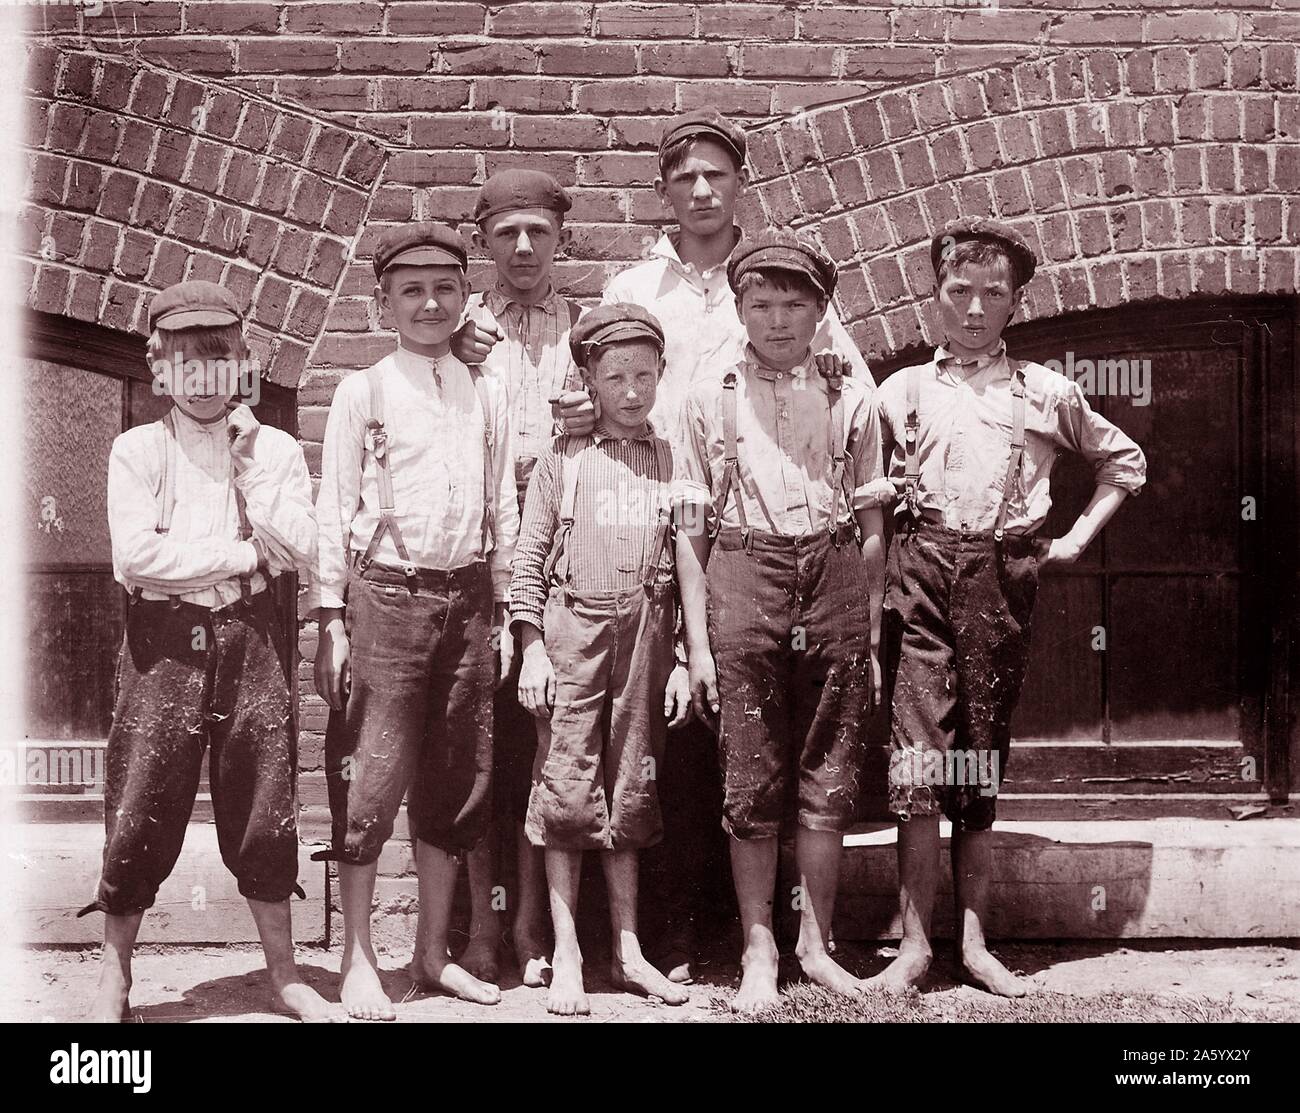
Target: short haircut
{"type": "Point", "coordinates": [672, 157]}
{"type": "Point", "coordinates": [203, 341]}
{"type": "Point", "coordinates": [779, 279]}
{"type": "Point", "coordinates": [593, 354]}
{"type": "Point", "coordinates": [979, 252]}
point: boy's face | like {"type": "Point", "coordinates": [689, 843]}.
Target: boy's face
{"type": "Point", "coordinates": [201, 386]}
{"type": "Point", "coordinates": [425, 302]}
{"type": "Point", "coordinates": [703, 188]}
{"type": "Point", "coordinates": [523, 243]}
{"type": "Point", "coordinates": [781, 323]}
{"type": "Point", "coordinates": [976, 300]}
{"type": "Point", "coordinates": [624, 376]}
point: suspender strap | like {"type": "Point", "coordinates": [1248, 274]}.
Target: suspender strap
{"type": "Point", "coordinates": [557, 570]}
{"type": "Point", "coordinates": [731, 461]}
{"type": "Point", "coordinates": [911, 435]}
{"type": "Point", "coordinates": [664, 473]}
{"type": "Point", "coordinates": [166, 490]}
{"type": "Point", "coordinates": [1017, 445]}
{"type": "Point", "coordinates": [839, 450]}
{"type": "Point", "coordinates": [245, 534]}
{"type": "Point", "coordinates": [489, 472]}
{"type": "Point", "coordinates": [383, 475]}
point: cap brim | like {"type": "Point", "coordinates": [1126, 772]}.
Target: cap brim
{"type": "Point", "coordinates": [425, 255]}
{"type": "Point", "coordinates": [628, 330]}
{"type": "Point", "coordinates": [195, 318]}
{"type": "Point", "coordinates": [688, 131]}
{"type": "Point", "coordinates": [759, 261]}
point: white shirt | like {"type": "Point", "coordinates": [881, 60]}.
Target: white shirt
{"type": "Point", "coordinates": [201, 557]}
{"type": "Point", "coordinates": [434, 423]}
{"type": "Point", "coordinates": [704, 336]}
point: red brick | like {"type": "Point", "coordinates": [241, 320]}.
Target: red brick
{"type": "Point", "coordinates": [894, 63]}
{"type": "Point", "coordinates": [1252, 169]}
{"type": "Point", "coordinates": [477, 60]}
{"type": "Point", "coordinates": [168, 264]}
{"type": "Point", "coordinates": [67, 231]}
{"type": "Point", "coordinates": [967, 98]}
{"type": "Point", "coordinates": [51, 292]}
{"type": "Point", "coordinates": [345, 211]}
{"type": "Point", "coordinates": [914, 160]}
{"type": "Point", "coordinates": [907, 219]}
{"type": "Point", "coordinates": [787, 60]}
{"type": "Point", "coordinates": [1257, 115]}
{"type": "Point", "coordinates": [259, 242]}
{"type": "Point", "coordinates": [101, 135]}
{"type": "Point", "coordinates": [42, 69]}
{"type": "Point", "coordinates": [327, 260]}
{"type": "Point", "coordinates": [604, 98]}
{"type": "Point", "coordinates": [850, 185]}
{"type": "Point", "coordinates": [866, 123]}
{"type": "Point", "coordinates": [995, 26]}
{"type": "Point", "coordinates": [1045, 187]}
{"type": "Point", "coordinates": [887, 282]}
{"type": "Point", "coordinates": [619, 169]}
{"type": "Point", "coordinates": [899, 116]}
{"type": "Point", "coordinates": [527, 94]}
{"type": "Point", "coordinates": [904, 328]}
{"type": "Point", "coordinates": [1280, 66]}
{"type": "Point", "coordinates": [84, 184]}
{"type": "Point", "coordinates": [562, 132]}
{"type": "Point", "coordinates": [1190, 27]}
{"type": "Point", "coordinates": [940, 203]}
{"type": "Point", "coordinates": [436, 19]}
{"type": "Point", "coordinates": [133, 259]}
{"type": "Point", "coordinates": [1000, 91]}
{"type": "Point", "coordinates": [232, 19]}
{"type": "Point", "coordinates": [1194, 221]}
{"type": "Point", "coordinates": [645, 21]}
{"type": "Point", "coordinates": [1081, 182]}
{"type": "Point", "coordinates": [1126, 227]}
{"type": "Point", "coordinates": [1123, 124]}
{"type": "Point", "coordinates": [272, 301]}
{"type": "Point", "coordinates": [1189, 174]}
{"type": "Point", "coordinates": [833, 136]}
{"type": "Point", "coordinates": [1094, 231]}
{"type": "Point", "coordinates": [1010, 193]}
{"type": "Point", "coordinates": [1089, 121]}
{"type": "Point", "coordinates": [586, 60]}
{"type": "Point", "coordinates": [118, 196]}
{"type": "Point", "coordinates": [931, 107]}
{"type": "Point", "coordinates": [205, 166]}
{"type": "Point", "coordinates": [1210, 66]}
{"type": "Point", "coordinates": [1192, 115]}
{"type": "Point", "coordinates": [1082, 28]}
{"type": "Point", "coordinates": [83, 303]}
{"type": "Point", "coordinates": [792, 97]}
{"type": "Point", "coordinates": [334, 19]}
{"type": "Point", "coordinates": [779, 202]}
{"type": "Point", "coordinates": [1173, 69]}
{"type": "Point", "coordinates": [113, 87]}
{"type": "Point", "coordinates": [912, 24]}
{"type": "Point", "coordinates": [100, 246]}
{"type": "Point", "coordinates": [283, 54]}
{"type": "Point", "coordinates": [78, 76]}
{"type": "Point", "coordinates": [388, 55]}
{"type": "Point", "coordinates": [426, 94]}
{"type": "Point", "coordinates": [1104, 80]}
{"type": "Point", "coordinates": [1286, 170]}
{"type": "Point", "coordinates": [982, 141]}
{"type": "Point", "coordinates": [686, 59]}
{"type": "Point", "coordinates": [1140, 71]}
{"type": "Point", "coordinates": [292, 137]}
{"type": "Point", "coordinates": [68, 127]}
{"type": "Point", "coordinates": [733, 98]}
{"type": "Point", "coordinates": [193, 55]}
{"type": "Point", "coordinates": [1016, 136]}
{"type": "Point", "coordinates": [882, 173]}
{"type": "Point", "coordinates": [1072, 284]}
{"type": "Point", "coordinates": [1220, 172]}
{"type": "Point", "coordinates": [146, 17]}
{"type": "Point", "coordinates": [537, 20]}
{"type": "Point", "coordinates": [949, 155]}
{"type": "Point", "coordinates": [1152, 172]}
{"type": "Point", "coordinates": [189, 218]}
{"type": "Point", "coordinates": [1034, 81]}
{"type": "Point", "coordinates": [1068, 77]}
{"type": "Point", "coordinates": [1157, 118]}
{"type": "Point", "coordinates": [1244, 66]}
{"type": "Point", "coordinates": [844, 25]}
{"type": "Point", "coordinates": [798, 145]}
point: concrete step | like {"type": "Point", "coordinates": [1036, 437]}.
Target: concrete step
{"type": "Point", "coordinates": [1107, 879]}
{"type": "Point", "coordinates": [57, 869]}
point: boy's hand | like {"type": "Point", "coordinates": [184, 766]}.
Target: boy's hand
{"type": "Point", "coordinates": [575, 410]}
{"type": "Point", "coordinates": [884, 491]}
{"type": "Point", "coordinates": [677, 697]}
{"type": "Point", "coordinates": [1057, 550]}
{"type": "Point", "coordinates": [702, 675]}
{"type": "Point", "coordinates": [333, 672]}
{"type": "Point", "coordinates": [537, 681]}
{"type": "Point", "coordinates": [832, 366]}
{"type": "Point", "coordinates": [506, 640]}
{"type": "Point", "coordinates": [471, 343]}
{"type": "Point", "coordinates": [241, 428]}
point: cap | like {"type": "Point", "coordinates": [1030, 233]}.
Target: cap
{"type": "Point", "coordinates": [703, 121]}
{"type": "Point", "coordinates": [609, 323]}
{"type": "Point", "coordinates": [989, 231]}
{"type": "Point", "coordinates": [426, 244]}
{"type": "Point", "coordinates": [193, 305]}
{"type": "Point", "coordinates": [520, 189]}
{"type": "Point", "coordinates": [780, 249]}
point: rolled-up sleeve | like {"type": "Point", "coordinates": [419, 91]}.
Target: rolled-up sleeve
{"type": "Point", "coordinates": [528, 587]}
{"type": "Point", "coordinates": [864, 448]}
{"type": "Point", "coordinates": [277, 492]}
{"type": "Point", "coordinates": [1115, 457]}
{"type": "Point", "coordinates": [340, 493]}
{"type": "Point", "coordinates": [506, 532]}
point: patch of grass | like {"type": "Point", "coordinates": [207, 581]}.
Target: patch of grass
{"type": "Point", "coordinates": [804, 1003]}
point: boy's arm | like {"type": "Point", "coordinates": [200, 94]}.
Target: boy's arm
{"type": "Point", "coordinates": [1106, 499]}
{"type": "Point", "coordinates": [507, 497]}
{"type": "Point", "coordinates": [691, 508]}
{"type": "Point", "coordinates": [339, 496]}
{"type": "Point", "coordinates": [153, 560]}
{"type": "Point", "coordinates": [866, 449]}
{"type": "Point", "coordinates": [528, 587]}
{"type": "Point", "coordinates": [832, 336]}
{"type": "Point", "coordinates": [277, 496]}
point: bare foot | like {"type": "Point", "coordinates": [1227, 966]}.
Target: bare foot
{"type": "Point", "coordinates": [362, 995]}
{"type": "Point", "coordinates": [638, 976]}
{"type": "Point", "coordinates": [445, 976]}
{"type": "Point", "coordinates": [534, 966]}
{"type": "Point", "coordinates": [567, 995]}
{"type": "Point", "coordinates": [480, 957]}
{"type": "Point", "coordinates": [824, 971]}
{"type": "Point", "coordinates": [905, 972]}
{"type": "Point", "coordinates": [989, 974]}
{"type": "Point", "coordinates": [294, 995]}
{"type": "Point", "coordinates": [758, 980]}
{"type": "Point", "coordinates": [110, 1005]}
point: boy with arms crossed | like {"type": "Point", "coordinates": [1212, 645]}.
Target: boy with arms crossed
{"type": "Point", "coordinates": [418, 520]}
{"type": "Point", "coordinates": [970, 439]}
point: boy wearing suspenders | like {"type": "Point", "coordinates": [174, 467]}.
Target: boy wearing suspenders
{"type": "Point", "coordinates": [418, 520]}
{"type": "Point", "coordinates": [782, 632]}
{"type": "Point", "coordinates": [970, 439]}
{"type": "Point", "coordinates": [594, 598]}
{"type": "Point", "coordinates": [520, 223]}
{"type": "Point", "coordinates": [205, 507]}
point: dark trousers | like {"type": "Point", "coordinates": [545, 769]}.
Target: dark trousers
{"type": "Point", "coordinates": [189, 679]}
{"type": "Point", "coordinates": [958, 608]}
{"type": "Point", "coordinates": [790, 629]}
{"type": "Point", "coordinates": [514, 748]}
{"type": "Point", "coordinates": [419, 714]}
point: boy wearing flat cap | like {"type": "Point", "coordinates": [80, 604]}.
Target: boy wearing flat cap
{"type": "Point", "coordinates": [520, 218]}
{"type": "Point", "coordinates": [593, 596]}
{"type": "Point", "coordinates": [418, 521]}
{"type": "Point", "coordinates": [970, 439]}
{"type": "Point", "coordinates": [782, 631]}
{"type": "Point", "coordinates": [205, 508]}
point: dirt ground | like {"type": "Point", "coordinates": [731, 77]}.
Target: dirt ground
{"type": "Point", "coordinates": [1154, 981]}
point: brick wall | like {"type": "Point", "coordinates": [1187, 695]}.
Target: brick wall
{"type": "Point", "coordinates": [1151, 150]}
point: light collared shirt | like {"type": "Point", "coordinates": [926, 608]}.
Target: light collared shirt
{"type": "Point", "coordinates": [703, 332]}
{"type": "Point", "coordinates": [783, 440]}
{"type": "Point", "coordinates": [434, 423]}
{"type": "Point", "coordinates": [615, 520]}
{"type": "Point", "coordinates": [964, 440]}
{"type": "Point", "coordinates": [533, 363]}
{"type": "Point", "coordinates": [201, 557]}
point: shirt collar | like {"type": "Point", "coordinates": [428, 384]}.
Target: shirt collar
{"type": "Point", "coordinates": [498, 301]}
{"type": "Point", "coordinates": [187, 423]}
{"type": "Point", "coordinates": [666, 248]}
{"type": "Point", "coordinates": [414, 363]}
{"type": "Point", "coordinates": [600, 433]}
{"type": "Point", "coordinates": [946, 361]}
{"type": "Point", "coordinates": [754, 362]}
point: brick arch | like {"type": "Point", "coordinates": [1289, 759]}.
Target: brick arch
{"type": "Point", "coordinates": [140, 177]}
{"type": "Point", "coordinates": [1148, 175]}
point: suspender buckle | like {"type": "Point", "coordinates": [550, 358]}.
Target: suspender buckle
{"type": "Point", "coordinates": [378, 438]}
{"type": "Point", "coordinates": [174, 601]}
{"type": "Point", "coordinates": [412, 578]}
